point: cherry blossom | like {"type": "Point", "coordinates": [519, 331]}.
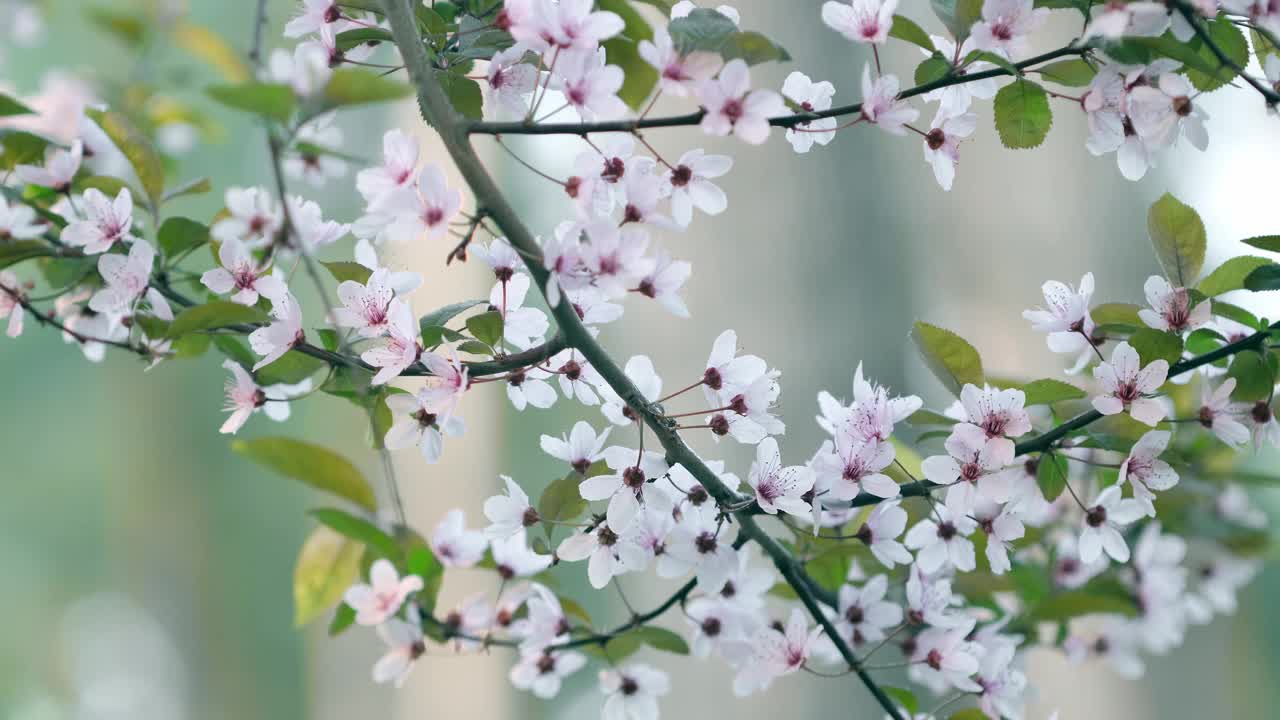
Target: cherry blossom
{"type": "Point", "coordinates": [664, 283]}
{"type": "Point", "coordinates": [1103, 519]}
{"type": "Point", "coordinates": [880, 533]}
{"type": "Point", "coordinates": [643, 193]}
{"type": "Point", "coordinates": [381, 599]}
{"type": "Point", "coordinates": [512, 556]}
{"type": "Point", "coordinates": [311, 230]}
{"type": "Point", "coordinates": [1261, 420]}
{"type": "Point", "coordinates": [942, 144]}
{"type": "Point", "coordinates": [1003, 685]}
{"type": "Point", "coordinates": [750, 416]}
{"type": "Point", "coordinates": [1005, 26]}
{"type": "Point", "coordinates": [945, 655]}
{"type": "Point", "coordinates": [726, 372]}
{"type": "Point", "coordinates": [864, 613]}
{"type": "Point", "coordinates": [678, 73]}
{"type": "Point", "coordinates": [625, 487]}
{"type": "Point", "coordinates": [18, 222]}
{"type": "Point", "coordinates": [734, 108]}
{"type": "Point", "coordinates": [854, 465]}
{"type": "Point", "coordinates": [955, 100]}
{"type": "Point", "coordinates": [581, 449]}
{"type": "Point", "coordinates": [399, 160]}
{"type": "Point", "coordinates": [11, 307]}
{"type": "Point", "coordinates": [448, 382]}
{"type": "Point", "coordinates": [1002, 526]}
{"type": "Point", "coordinates": [999, 414]}
{"type": "Point", "coordinates": [239, 272]}
{"type": "Point", "coordinates": [509, 83]}
{"type": "Point", "coordinates": [684, 7]}
{"type": "Point", "coordinates": [775, 653]}
{"type": "Point", "coordinates": [862, 21]}
{"type": "Point", "coordinates": [542, 672]}
{"type": "Point", "coordinates": [1135, 19]}
{"type": "Point", "coordinates": [1162, 112]}
{"type": "Point", "coordinates": [313, 15]}
{"type": "Point", "coordinates": [469, 620]}
{"type": "Point", "coordinates": [1128, 386]}
{"type": "Point", "coordinates": [779, 488]}
{"type": "Point", "coordinates": [401, 348]}
{"type": "Point", "coordinates": [365, 307]}
{"type": "Point", "coordinates": [306, 70]}
{"type": "Point", "coordinates": [691, 186]}
{"type": "Point", "coordinates": [510, 513]}
{"type": "Point", "coordinates": [880, 103]}
{"type": "Point", "coordinates": [253, 217]}
{"type": "Point", "coordinates": [59, 169]}
{"type": "Point", "coordinates": [873, 413]}
{"type": "Point", "coordinates": [1217, 413]}
{"type": "Point", "coordinates": [419, 425]}
{"type": "Point", "coordinates": [571, 25]}
{"type": "Point", "coordinates": [576, 377]}
{"type": "Point", "coordinates": [810, 97]}
{"type": "Point", "coordinates": [456, 546]}
{"type": "Point", "coordinates": [424, 209]}
{"type": "Point", "coordinates": [1234, 506]}
{"type": "Point", "coordinates": [701, 543]}
{"type": "Point", "coordinates": [930, 600]}
{"type": "Point", "coordinates": [632, 692]}
{"type": "Point", "coordinates": [106, 222]}
{"type": "Point", "coordinates": [590, 85]}
{"type": "Point", "coordinates": [405, 645]}
{"type": "Point", "coordinates": [971, 468]}
{"type": "Point", "coordinates": [243, 397]}
{"type": "Point", "coordinates": [1145, 471]}
{"type": "Point", "coordinates": [607, 554]}
{"type": "Point", "coordinates": [942, 540]}
{"type": "Point", "coordinates": [718, 627]}
{"type": "Point", "coordinates": [126, 276]}
{"type": "Point", "coordinates": [1171, 309]}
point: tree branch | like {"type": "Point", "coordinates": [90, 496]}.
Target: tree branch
{"type": "Point", "coordinates": [1196, 21]}
{"type": "Point", "coordinates": [786, 121]}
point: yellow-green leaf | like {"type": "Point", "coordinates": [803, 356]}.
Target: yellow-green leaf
{"type": "Point", "coordinates": [217, 314]}
{"type": "Point", "coordinates": [951, 358]}
{"type": "Point", "coordinates": [327, 565]}
{"type": "Point", "coordinates": [1230, 275]}
{"type": "Point", "coordinates": [319, 467]}
{"type": "Point", "coordinates": [1178, 236]}
{"type": "Point", "coordinates": [137, 148]}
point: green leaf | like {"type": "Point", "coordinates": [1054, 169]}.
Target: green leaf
{"type": "Point", "coordinates": [292, 367]}
{"type": "Point", "coordinates": [1071, 73]}
{"type": "Point", "coordinates": [969, 713]}
{"type": "Point", "coordinates": [316, 466]}
{"type": "Point", "coordinates": [486, 327]}
{"type": "Point", "coordinates": [1098, 596]}
{"type": "Point", "coordinates": [1231, 42]}
{"type": "Point", "coordinates": [65, 272]}
{"type": "Point", "coordinates": [830, 568]}
{"type": "Point", "coordinates": [359, 530]}
{"type": "Point", "coordinates": [1270, 243]}
{"type": "Point", "coordinates": [1231, 275]}
{"type": "Point", "coordinates": [350, 86]}
{"type": "Point", "coordinates": [234, 349]}
{"type": "Point", "coordinates": [21, 148]}
{"type": "Point", "coordinates": [929, 417]}
{"type": "Point", "coordinates": [178, 235]}
{"type": "Point", "coordinates": [951, 358]}
{"type": "Point", "coordinates": [1204, 340]}
{"type": "Point", "coordinates": [10, 107]}
{"type": "Point", "coordinates": [475, 347]}
{"type": "Point", "coordinates": [1022, 113]}
{"type": "Point", "coordinates": [907, 30]}
{"type": "Point", "coordinates": [327, 565]}
{"type": "Point", "coordinates": [905, 698]}
{"type": "Point", "coordinates": [1234, 312]}
{"type": "Point", "coordinates": [958, 15]}
{"type": "Point", "coordinates": [270, 100]}
{"type": "Point", "coordinates": [196, 186]}
{"type": "Point", "coordinates": [463, 92]}
{"type": "Point", "coordinates": [753, 48]}
{"type": "Point", "coordinates": [345, 270]}
{"type": "Point", "coordinates": [15, 251]}
{"type": "Point", "coordinates": [216, 314]}
{"type": "Point", "coordinates": [1049, 391]}
{"type": "Point", "coordinates": [1171, 48]}
{"type": "Point", "coordinates": [343, 618]}
{"type": "Point", "coordinates": [191, 346]}
{"type": "Point", "coordinates": [702, 29]}
{"type": "Point", "coordinates": [434, 335]}
{"type": "Point", "coordinates": [617, 648]}
{"type": "Point", "coordinates": [662, 639]}
{"type": "Point", "coordinates": [561, 501]}
{"type": "Point", "coordinates": [623, 50]}
{"type": "Point", "coordinates": [1254, 379]}
{"type": "Point", "coordinates": [1266, 277]}
{"type": "Point", "coordinates": [128, 28]}
{"type": "Point", "coordinates": [351, 38]}
{"type": "Point", "coordinates": [993, 58]}
{"type": "Point", "coordinates": [1178, 236]}
{"type": "Point", "coordinates": [1051, 475]}
{"type": "Point", "coordinates": [934, 68]}
{"type": "Point", "coordinates": [1153, 344]}
{"type": "Point", "coordinates": [137, 148]}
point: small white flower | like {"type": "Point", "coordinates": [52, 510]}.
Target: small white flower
{"type": "Point", "coordinates": [312, 231]}
{"type": "Point", "coordinates": [971, 468]}
{"type": "Point", "coordinates": [418, 425]}
{"type": "Point", "coordinates": [1217, 413]}
{"type": "Point", "coordinates": [313, 15]}
{"type": "Point", "coordinates": [253, 217]}
{"type": "Point", "coordinates": [678, 74]}
{"type": "Point", "coordinates": [1002, 526]}
{"type": "Point", "coordinates": [510, 513]}
{"type": "Point", "coordinates": [522, 327]}
{"type": "Point", "coordinates": [1171, 309]}
{"type": "Point", "coordinates": [1102, 522]}
{"type": "Point", "coordinates": [577, 378]}
{"type": "Point", "coordinates": [1005, 26]}
{"type": "Point", "coordinates": [945, 654]}
{"type": "Point", "coordinates": [1161, 112]}
{"type": "Point", "coordinates": [639, 370]}
{"type": "Point", "coordinates": [880, 103]}
{"type": "Point", "coordinates": [997, 413]}
{"type": "Point", "coordinates": [607, 554]}
{"type": "Point", "coordinates": [509, 82]}
{"type": "Point", "coordinates": [423, 209]}
{"type": "Point", "coordinates": [691, 185]}
{"type": "Point", "coordinates": [942, 541]}
{"type": "Point", "coordinates": [512, 556]}
{"type": "Point", "coordinates": [1145, 471]}
{"type": "Point", "coordinates": [865, 614]}
{"type": "Point", "coordinates": [624, 488]}
{"type": "Point", "coordinates": [239, 272]}
{"type": "Point", "coordinates": [406, 645]}
{"type": "Point", "coordinates": [59, 169]}
{"type": "Point", "coordinates": [10, 305]}
{"type": "Point", "coordinates": [126, 276]}
{"type": "Point", "coordinates": [734, 108]}
{"type": "Point", "coordinates": [1065, 316]}
{"type": "Point", "coordinates": [1129, 386]}
{"type": "Point", "coordinates": [880, 534]}
{"type": "Point", "coordinates": [700, 542]}
{"type": "Point", "coordinates": [590, 85]}
{"type": "Point", "coordinates": [454, 545]}
{"type": "Point", "coordinates": [541, 672]}
{"type": "Point", "coordinates": [632, 692]}
{"type": "Point", "coordinates": [381, 599]}
{"type": "Point", "coordinates": [306, 69]}
{"type": "Point", "coordinates": [665, 281]}
{"type": "Point", "coordinates": [775, 654]}
{"type": "Point", "coordinates": [580, 449]}
{"type": "Point", "coordinates": [243, 397]}
{"type": "Point", "coordinates": [1134, 19]}
{"type": "Point", "coordinates": [810, 97]}
{"type": "Point", "coordinates": [401, 348]}
{"type": "Point", "coordinates": [862, 21]}
{"type": "Point", "coordinates": [106, 222]}
{"type": "Point", "coordinates": [18, 222]}
{"type": "Point", "coordinates": [399, 160]}
{"type": "Point", "coordinates": [779, 488]}
{"type": "Point", "coordinates": [942, 144]}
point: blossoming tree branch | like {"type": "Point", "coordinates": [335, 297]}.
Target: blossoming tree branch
{"type": "Point", "coordinates": [1098, 512]}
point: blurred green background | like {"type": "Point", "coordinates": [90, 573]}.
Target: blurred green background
{"type": "Point", "coordinates": [147, 569]}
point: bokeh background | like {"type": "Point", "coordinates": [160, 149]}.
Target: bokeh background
{"type": "Point", "coordinates": [147, 570]}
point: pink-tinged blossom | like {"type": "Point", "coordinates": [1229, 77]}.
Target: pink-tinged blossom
{"type": "Point", "coordinates": [513, 558]}
{"type": "Point", "coordinates": [684, 7]}
{"type": "Point", "coordinates": [880, 534]}
{"type": "Point", "coordinates": [775, 654]}
{"type": "Point", "coordinates": [999, 414]}
{"type": "Point", "coordinates": [19, 222]}
{"type": "Point", "coordinates": [522, 327]}
{"type": "Point", "coordinates": [728, 373]}
{"type": "Point", "coordinates": [510, 513]}
{"type": "Point", "coordinates": [106, 222]}
{"type": "Point", "coordinates": [401, 348]}
{"type": "Point", "coordinates": [1128, 386]}
{"type": "Point", "coordinates": [1135, 19]}
{"type": "Point", "coordinates": [253, 217]}
{"type": "Point", "coordinates": [971, 468]}
{"type": "Point", "coordinates": [581, 449]}
{"type": "Point", "coordinates": [941, 540]}
{"type": "Point", "coordinates": [242, 276]}
{"type": "Point", "coordinates": [243, 397]}
{"type": "Point", "coordinates": [313, 15]}
{"type": "Point", "coordinates": [946, 657]}
{"type": "Point", "coordinates": [1218, 413]}
{"type": "Point", "coordinates": [809, 96]}
{"type": "Point", "coordinates": [955, 100]}
{"type": "Point", "coordinates": [606, 552]}
{"type": "Point", "coordinates": [11, 307]}
{"type": "Point", "coordinates": [424, 209]}
{"type": "Point", "coordinates": [779, 488]}
{"type": "Point", "coordinates": [625, 487]}
{"type": "Point", "coordinates": [678, 73]}
{"type": "Point", "coordinates": [942, 144]}
{"type": "Point", "coordinates": [1171, 309]}
{"type": "Point", "coordinates": [576, 376]}
{"type": "Point", "coordinates": [562, 257]}
{"type": "Point", "coordinates": [405, 644]}
{"type": "Point", "coordinates": [865, 615]}
{"type": "Point", "coordinates": [691, 185]}
{"type": "Point", "coordinates": [126, 277]}
{"type": "Point", "coordinates": [1103, 520]}
{"type": "Point", "coordinates": [643, 195]}
{"type": "Point", "coordinates": [567, 25]}
{"type": "Point", "coordinates": [664, 282]}
{"type": "Point", "coordinates": [1006, 25]}
{"type": "Point", "coordinates": [366, 307]}
{"type": "Point", "coordinates": [930, 600]}
{"type": "Point", "coordinates": [448, 382]}
{"type": "Point", "coordinates": [1002, 526]}
{"type": "Point", "coordinates": [59, 169]}
{"type": "Point", "coordinates": [306, 70]}
{"type": "Point", "coordinates": [542, 672]}
{"type": "Point", "coordinates": [700, 542]}
{"type": "Point", "coordinates": [417, 425]}
{"type": "Point", "coordinates": [854, 465]}
{"type": "Point", "coordinates": [399, 161]}
{"type": "Point", "coordinates": [862, 21]}
{"type": "Point", "coordinates": [456, 546]}
{"type": "Point", "coordinates": [734, 108]}
{"type": "Point", "coordinates": [1261, 420]}
{"type": "Point", "coordinates": [590, 85]}
{"type": "Point", "coordinates": [509, 83]}
{"type": "Point", "coordinates": [324, 163]}
{"type": "Point", "coordinates": [632, 692]}
{"type": "Point", "coordinates": [749, 417]}
{"type": "Point", "coordinates": [284, 332]}
{"type": "Point", "coordinates": [639, 370]}
{"type": "Point", "coordinates": [380, 600]}
{"type": "Point", "coordinates": [1162, 112]}
{"type": "Point", "coordinates": [873, 413]}
{"type": "Point", "coordinates": [500, 257]}
{"type": "Point", "coordinates": [1145, 471]}
{"type": "Point", "coordinates": [880, 103]}
{"type": "Point", "coordinates": [311, 230]}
